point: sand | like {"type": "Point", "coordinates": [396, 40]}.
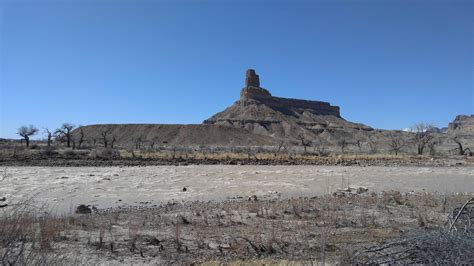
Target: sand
{"type": "Point", "coordinates": [64, 188]}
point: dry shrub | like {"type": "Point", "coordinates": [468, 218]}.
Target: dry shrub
{"type": "Point", "coordinates": [134, 229]}
{"type": "Point", "coordinates": [106, 154]}
{"type": "Point", "coordinates": [21, 227]}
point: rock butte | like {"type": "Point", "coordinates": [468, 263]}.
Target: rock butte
{"type": "Point", "coordinates": [259, 119]}
{"type": "Point", "coordinates": [256, 119]}
{"type": "Point", "coordinates": [282, 118]}
{"type": "Point", "coordinates": [253, 91]}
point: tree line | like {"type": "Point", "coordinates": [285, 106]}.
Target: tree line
{"type": "Point", "coordinates": [422, 136]}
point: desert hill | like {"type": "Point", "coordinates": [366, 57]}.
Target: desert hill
{"type": "Point", "coordinates": [128, 135]}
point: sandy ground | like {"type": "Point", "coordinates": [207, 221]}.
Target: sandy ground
{"type": "Point", "coordinates": [103, 187]}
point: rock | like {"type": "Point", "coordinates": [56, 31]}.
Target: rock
{"type": "Point", "coordinates": [83, 209]}
{"type": "Point", "coordinates": [3, 199]}
{"type": "Point", "coordinates": [462, 124]}
{"type": "Point", "coordinates": [252, 79]}
{"type": "Point", "coordinates": [361, 190]}
{"type": "Point", "coordinates": [184, 189]}
{"type": "Point", "coordinates": [253, 198]}
{"type": "Point", "coordinates": [350, 191]}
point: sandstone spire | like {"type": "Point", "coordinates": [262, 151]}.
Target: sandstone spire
{"type": "Point", "coordinates": [252, 79]}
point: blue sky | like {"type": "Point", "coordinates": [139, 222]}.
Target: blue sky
{"type": "Point", "coordinates": [387, 64]}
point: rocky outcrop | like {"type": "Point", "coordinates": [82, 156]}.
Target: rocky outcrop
{"type": "Point", "coordinates": [252, 79]}
{"type": "Point", "coordinates": [462, 124]}
{"type": "Point", "coordinates": [261, 113]}
{"type": "Point", "coordinates": [253, 91]}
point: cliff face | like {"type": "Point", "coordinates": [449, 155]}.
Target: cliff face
{"type": "Point", "coordinates": [263, 96]}
{"type": "Point", "coordinates": [261, 113]}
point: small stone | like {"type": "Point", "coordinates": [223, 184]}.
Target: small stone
{"type": "Point", "coordinates": [83, 209]}
{"type": "Point", "coordinates": [253, 198]}
{"type": "Point", "coordinates": [184, 189]}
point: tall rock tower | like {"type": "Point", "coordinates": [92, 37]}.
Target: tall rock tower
{"type": "Point", "coordinates": [252, 89]}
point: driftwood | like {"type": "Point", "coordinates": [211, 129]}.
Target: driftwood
{"type": "Point", "coordinates": [455, 245]}
{"type": "Point", "coordinates": [462, 218]}
{"type": "Point", "coordinates": [421, 247]}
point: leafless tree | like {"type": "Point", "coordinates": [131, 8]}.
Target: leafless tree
{"type": "Point", "coordinates": [462, 150]}
{"type": "Point", "coordinates": [26, 132]}
{"type": "Point", "coordinates": [113, 142]}
{"type": "Point", "coordinates": [373, 145]}
{"type": "Point", "coordinates": [359, 145]}
{"type": "Point", "coordinates": [49, 135]}
{"type": "Point", "coordinates": [432, 147]}
{"type": "Point", "coordinates": [304, 142]}
{"type": "Point", "coordinates": [104, 134]}
{"type": "Point", "coordinates": [81, 137]}
{"type": "Point", "coordinates": [94, 141]}
{"type": "Point", "coordinates": [138, 143]}
{"type": "Point", "coordinates": [281, 147]}
{"type": "Point", "coordinates": [318, 147]}
{"type": "Point", "coordinates": [153, 142]}
{"type": "Point", "coordinates": [396, 143]}
{"type": "Point", "coordinates": [342, 144]}
{"type": "Point", "coordinates": [422, 136]}
{"type": "Point", "coordinates": [65, 131]}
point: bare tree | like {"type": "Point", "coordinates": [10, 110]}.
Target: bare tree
{"type": "Point", "coordinates": [26, 132]}
{"type": "Point", "coordinates": [432, 147]}
{"type": "Point", "coordinates": [422, 136]}
{"type": "Point", "coordinates": [359, 145]}
{"type": "Point", "coordinates": [93, 140]}
{"type": "Point", "coordinates": [105, 133]}
{"type": "Point", "coordinates": [65, 131]}
{"type": "Point", "coordinates": [281, 147]}
{"type": "Point", "coordinates": [396, 143]}
{"type": "Point", "coordinates": [342, 144]}
{"type": "Point", "coordinates": [138, 143]}
{"type": "Point", "coordinates": [81, 137]}
{"type": "Point", "coordinates": [113, 142]}
{"type": "Point", "coordinates": [154, 140]}
{"type": "Point", "coordinates": [304, 142]}
{"type": "Point", "coordinates": [373, 145]}
{"type": "Point", "coordinates": [462, 150]}
{"type": "Point", "coordinates": [49, 136]}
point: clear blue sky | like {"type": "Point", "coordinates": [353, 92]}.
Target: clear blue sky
{"type": "Point", "coordinates": [387, 64]}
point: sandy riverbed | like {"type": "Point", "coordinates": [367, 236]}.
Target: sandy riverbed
{"type": "Point", "coordinates": [65, 188]}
